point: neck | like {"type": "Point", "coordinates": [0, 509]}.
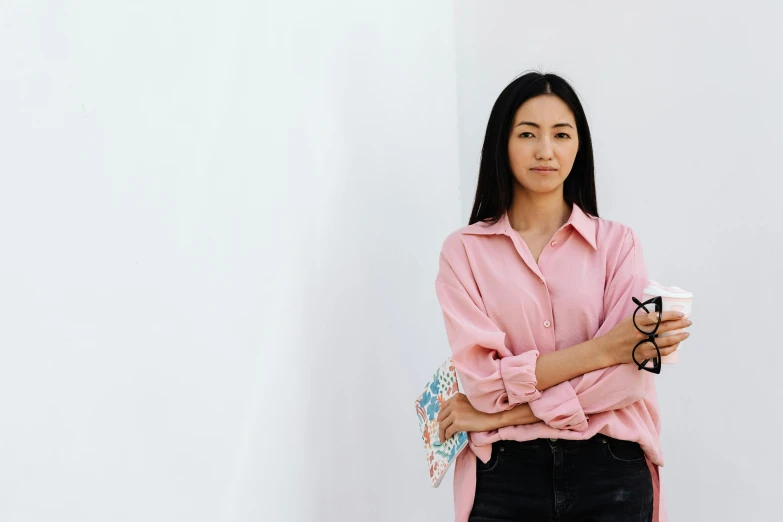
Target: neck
{"type": "Point", "coordinates": [538, 213]}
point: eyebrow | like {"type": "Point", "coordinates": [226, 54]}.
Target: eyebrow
{"type": "Point", "coordinates": [537, 126]}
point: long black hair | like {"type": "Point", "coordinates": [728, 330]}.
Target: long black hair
{"type": "Point", "coordinates": [495, 181]}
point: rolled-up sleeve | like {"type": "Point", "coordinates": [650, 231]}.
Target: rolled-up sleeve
{"type": "Point", "coordinates": [568, 405]}
{"type": "Point", "coordinates": [560, 408]}
{"type": "Point", "coordinates": [492, 377]}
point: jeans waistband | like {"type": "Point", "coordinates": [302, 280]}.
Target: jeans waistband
{"type": "Point", "coordinates": [596, 439]}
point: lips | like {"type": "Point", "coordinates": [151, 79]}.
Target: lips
{"type": "Point", "coordinates": [544, 170]}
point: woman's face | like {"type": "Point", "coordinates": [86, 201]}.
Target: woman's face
{"type": "Point", "coordinates": [543, 135]}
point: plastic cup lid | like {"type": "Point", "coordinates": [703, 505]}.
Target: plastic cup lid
{"type": "Point", "coordinates": [656, 289]}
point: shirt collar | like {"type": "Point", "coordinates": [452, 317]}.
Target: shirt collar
{"type": "Point", "coordinates": [580, 221]}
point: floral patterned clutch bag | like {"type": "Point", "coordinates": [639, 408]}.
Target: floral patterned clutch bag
{"type": "Point", "coordinates": [443, 385]}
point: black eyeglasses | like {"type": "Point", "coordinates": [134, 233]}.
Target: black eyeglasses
{"type": "Point", "coordinates": [649, 331]}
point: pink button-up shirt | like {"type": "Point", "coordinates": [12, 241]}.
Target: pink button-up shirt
{"type": "Point", "coordinates": [502, 310]}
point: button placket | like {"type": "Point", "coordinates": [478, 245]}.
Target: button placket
{"type": "Point", "coordinates": [547, 322]}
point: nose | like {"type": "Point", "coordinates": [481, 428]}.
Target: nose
{"type": "Point", "coordinates": [544, 151]}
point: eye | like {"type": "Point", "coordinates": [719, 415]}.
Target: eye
{"type": "Point", "coordinates": [527, 134]}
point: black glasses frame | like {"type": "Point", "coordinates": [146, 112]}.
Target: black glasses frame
{"type": "Point", "coordinates": [651, 336]}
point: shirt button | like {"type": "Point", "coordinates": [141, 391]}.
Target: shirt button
{"type": "Point", "coordinates": [547, 324]}
{"type": "Point", "coordinates": [553, 440]}
{"type": "Point", "coordinates": [554, 243]}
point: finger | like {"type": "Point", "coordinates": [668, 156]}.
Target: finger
{"type": "Point", "coordinates": [671, 315]}
{"type": "Point", "coordinates": [646, 351]}
{"type": "Point", "coordinates": [665, 346]}
{"type": "Point", "coordinates": [442, 427]}
{"type": "Point", "coordinates": [444, 410]}
{"type": "Point", "coordinates": [669, 349]}
{"type": "Point", "coordinates": [648, 319]}
{"type": "Point", "coordinates": [451, 431]}
{"type": "Point", "coordinates": [668, 326]}
{"type": "Point", "coordinates": [669, 340]}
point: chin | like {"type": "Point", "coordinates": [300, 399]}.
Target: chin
{"type": "Point", "coordinates": [548, 189]}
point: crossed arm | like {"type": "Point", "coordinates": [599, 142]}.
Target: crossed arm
{"type": "Point", "coordinates": [559, 388]}
{"type": "Point", "coordinates": [551, 369]}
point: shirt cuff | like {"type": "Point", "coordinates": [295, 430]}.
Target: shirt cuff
{"type": "Point", "coordinates": [559, 407]}
{"type": "Point", "coordinates": [519, 377]}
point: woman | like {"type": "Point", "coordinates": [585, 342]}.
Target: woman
{"type": "Point", "coordinates": [537, 297]}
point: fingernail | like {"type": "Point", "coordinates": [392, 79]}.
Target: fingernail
{"type": "Point", "coordinates": [687, 334]}
{"type": "Point", "coordinates": [680, 314]}
{"type": "Point", "coordinates": [689, 323]}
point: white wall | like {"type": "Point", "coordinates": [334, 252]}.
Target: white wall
{"type": "Point", "coordinates": [220, 224]}
{"type": "Point", "coordinates": [684, 107]}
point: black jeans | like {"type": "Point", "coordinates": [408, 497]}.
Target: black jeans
{"type": "Point", "coordinates": [595, 480]}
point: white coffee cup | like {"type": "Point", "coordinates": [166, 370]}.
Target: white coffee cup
{"type": "Point", "coordinates": [676, 299]}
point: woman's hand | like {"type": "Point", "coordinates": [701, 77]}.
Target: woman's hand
{"type": "Point", "coordinates": [618, 344]}
{"type": "Point", "coordinates": [457, 414]}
